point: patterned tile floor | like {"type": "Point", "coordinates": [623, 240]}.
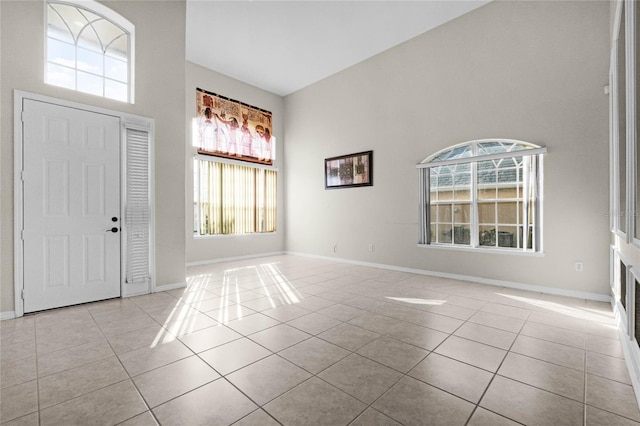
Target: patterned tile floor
{"type": "Point", "coordinates": [302, 341]}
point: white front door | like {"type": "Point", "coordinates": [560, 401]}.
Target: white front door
{"type": "Point", "coordinates": [71, 206]}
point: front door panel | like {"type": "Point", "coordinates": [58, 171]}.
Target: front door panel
{"type": "Point", "coordinates": [71, 187]}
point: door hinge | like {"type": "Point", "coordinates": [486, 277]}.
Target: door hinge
{"type": "Point", "coordinates": [22, 294]}
{"type": "Point", "coordinates": [22, 235]}
{"type": "Point", "coordinates": [22, 175]}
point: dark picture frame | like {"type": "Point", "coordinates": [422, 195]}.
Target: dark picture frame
{"type": "Point", "coordinates": [348, 171]}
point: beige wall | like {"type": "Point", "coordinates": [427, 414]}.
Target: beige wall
{"type": "Point", "coordinates": [629, 253]}
{"type": "Point", "coordinates": [533, 71]}
{"type": "Point", "coordinates": [205, 249]}
{"type": "Point", "coordinates": [160, 77]}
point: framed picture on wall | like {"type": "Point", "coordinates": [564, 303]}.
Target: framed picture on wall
{"type": "Point", "coordinates": [348, 171]}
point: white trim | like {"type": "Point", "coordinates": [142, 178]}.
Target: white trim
{"type": "Point", "coordinates": [126, 119]}
{"type": "Point", "coordinates": [18, 166]}
{"type": "Point", "coordinates": [481, 249]}
{"type": "Point", "coordinates": [612, 152]}
{"type": "Point", "coordinates": [520, 153]}
{"type": "Point", "coordinates": [630, 346]}
{"type": "Point", "coordinates": [615, 134]}
{"type": "Point", "coordinates": [632, 359]}
{"type": "Point", "coordinates": [612, 278]}
{"type": "Point", "coordinates": [630, 113]}
{"type": "Point", "coordinates": [231, 259]}
{"type": "Point", "coordinates": [167, 287]}
{"type": "Point", "coordinates": [540, 209]}
{"type": "Point", "coordinates": [223, 236]}
{"type": "Point", "coordinates": [8, 315]}
{"type": "Point", "coordinates": [633, 275]}
{"type": "Point", "coordinates": [632, 129]}
{"type": "Point", "coordinates": [473, 143]}
{"type": "Point", "coordinates": [616, 21]}
{"type": "Point", "coordinates": [499, 283]}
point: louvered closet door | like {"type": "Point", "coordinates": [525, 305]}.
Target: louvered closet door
{"type": "Point", "coordinates": [137, 208]}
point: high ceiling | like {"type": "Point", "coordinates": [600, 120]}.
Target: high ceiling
{"type": "Point", "coordinates": [283, 46]}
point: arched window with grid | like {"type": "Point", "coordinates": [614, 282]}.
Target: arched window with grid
{"type": "Point", "coordinates": [90, 49]}
{"type": "Point", "coordinates": [484, 194]}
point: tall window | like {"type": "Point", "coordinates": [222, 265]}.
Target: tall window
{"type": "Point", "coordinates": [233, 199]}
{"type": "Point", "coordinates": [622, 128]}
{"type": "Point", "coordinates": [483, 194]}
{"type": "Point", "coordinates": [89, 49]}
{"type": "Point", "coordinates": [635, 181]}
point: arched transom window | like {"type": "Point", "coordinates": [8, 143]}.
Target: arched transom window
{"type": "Point", "coordinates": [483, 194]}
{"type": "Point", "coordinates": [89, 49]}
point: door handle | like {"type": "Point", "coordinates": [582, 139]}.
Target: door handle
{"type": "Point", "coordinates": [114, 230]}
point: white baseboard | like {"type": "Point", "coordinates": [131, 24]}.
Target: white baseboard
{"type": "Point", "coordinates": [231, 259]}
{"type": "Point", "coordinates": [167, 287]}
{"type": "Point", "coordinates": [631, 352]}
{"type": "Point", "coordinates": [489, 281]}
{"type": "Point", "coordinates": [7, 315]}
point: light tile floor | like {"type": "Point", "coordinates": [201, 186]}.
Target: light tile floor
{"type": "Point", "coordinates": [301, 341]}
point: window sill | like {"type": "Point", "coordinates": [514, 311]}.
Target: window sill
{"type": "Point", "coordinates": [224, 236]}
{"type": "Point", "coordinates": [481, 250]}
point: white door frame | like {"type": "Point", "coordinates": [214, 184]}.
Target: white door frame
{"type": "Point", "coordinates": [127, 121]}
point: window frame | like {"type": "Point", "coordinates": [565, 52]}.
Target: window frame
{"type": "Point", "coordinates": [633, 121]}
{"type": "Point", "coordinates": [531, 151]}
{"type": "Point", "coordinates": [114, 18]}
{"type": "Point", "coordinates": [620, 224]}
{"type": "Point", "coordinates": [196, 188]}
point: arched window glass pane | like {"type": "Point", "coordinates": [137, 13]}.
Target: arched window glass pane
{"type": "Point", "coordinates": [115, 90]}
{"type": "Point", "coordinates": [57, 28]}
{"type": "Point", "coordinates": [94, 49]}
{"type": "Point", "coordinates": [71, 16]}
{"type": "Point", "coordinates": [90, 16]}
{"type": "Point", "coordinates": [118, 48]}
{"type": "Point", "coordinates": [90, 61]}
{"type": "Point", "coordinates": [89, 83]}
{"type": "Point", "coordinates": [488, 148]}
{"type": "Point", "coordinates": [61, 53]}
{"type": "Point", "coordinates": [458, 152]}
{"type": "Point", "coordinates": [89, 39]}
{"type": "Point", "coordinates": [108, 32]}
{"type": "Point", "coordinates": [481, 148]}
{"type": "Point", "coordinates": [63, 76]}
{"type": "Point", "coordinates": [115, 69]}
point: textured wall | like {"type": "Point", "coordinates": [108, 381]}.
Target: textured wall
{"type": "Point", "coordinates": [530, 70]}
{"type": "Point", "coordinates": [160, 76]}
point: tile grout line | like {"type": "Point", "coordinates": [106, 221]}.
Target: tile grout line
{"type": "Point", "coordinates": [496, 374]}
{"type": "Point", "coordinates": [127, 372]}
{"type": "Point", "coordinates": [584, 395]}
{"type": "Point", "coordinates": [360, 280]}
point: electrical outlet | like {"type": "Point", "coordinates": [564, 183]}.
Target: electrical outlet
{"type": "Point", "coordinates": [579, 266]}
{"type": "Point", "coordinates": [370, 247]}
